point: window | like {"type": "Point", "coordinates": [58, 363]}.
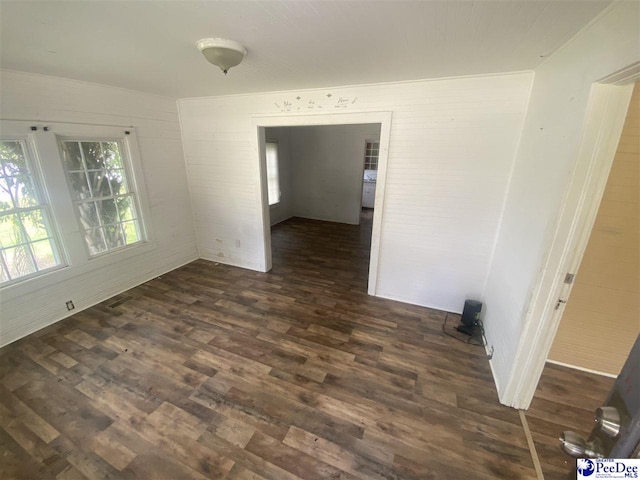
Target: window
{"type": "Point", "coordinates": [69, 194]}
{"type": "Point", "coordinates": [371, 155]}
{"type": "Point", "coordinates": [27, 241]}
{"type": "Point", "coordinates": [273, 180]}
{"type": "Point", "coordinates": [104, 198]}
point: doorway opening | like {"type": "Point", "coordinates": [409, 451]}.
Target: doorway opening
{"type": "Point", "coordinates": [606, 111]}
{"type": "Point", "coordinates": [318, 176]}
{"type": "Point", "coordinates": [321, 183]}
{"type": "Point", "coordinates": [600, 319]}
{"type": "Point", "coordinates": [598, 323]}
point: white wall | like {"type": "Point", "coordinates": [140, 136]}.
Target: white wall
{"type": "Point", "coordinates": [549, 147]}
{"type": "Point", "coordinates": [284, 209]}
{"type": "Point", "coordinates": [451, 149]}
{"type": "Point", "coordinates": [33, 304]}
{"type": "Point", "coordinates": [328, 170]}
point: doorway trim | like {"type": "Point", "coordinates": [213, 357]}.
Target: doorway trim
{"type": "Point", "coordinates": [258, 125]}
{"type": "Point", "coordinates": [606, 112]}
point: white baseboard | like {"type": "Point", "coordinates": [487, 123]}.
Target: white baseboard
{"type": "Point", "coordinates": [588, 370]}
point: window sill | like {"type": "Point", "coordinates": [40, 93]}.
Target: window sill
{"type": "Point", "coordinates": [32, 276]}
{"type": "Point", "coordinates": [53, 277]}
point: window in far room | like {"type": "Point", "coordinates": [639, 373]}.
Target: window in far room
{"type": "Point", "coordinates": [371, 155]}
{"type": "Point", "coordinates": [273, 177]}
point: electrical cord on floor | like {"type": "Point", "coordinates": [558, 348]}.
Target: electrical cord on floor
{"type": "Point", "coordinates": [478, 334]}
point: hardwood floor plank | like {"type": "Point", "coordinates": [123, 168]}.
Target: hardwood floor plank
{"type": "Point", "coordinates": [32, 444]}
{"type": "Point", "coordinates": [166, 433]}
{"type": "Point", "coordinates": [64, 408]}
{"type": "Point", "coordinates": [112, 451]}
{"type": "Point", "coordinates": [70, 473]}
{"type": "Point", "coordinates": [154, 466]}
{"type": "Point", "coordinates": [336, 455]}
{"type": "Point", "coordinates": [241, 473]}
{"type": "Point", "coordinates": [16, 409]}
{"type": "Point", "coordinates": [232, 430]}
{"type": "Point", "coordinates": [84, 460]}
{"type": "Point", "coordinates": [16, 463]}
{"type": "Point", "coordinates": [293, 460]}
{"type": "Point", "coordinates": [246, 460]}
{"type": "Point", "coordinates": [304, 347]}
{"type": "Point", "coordinates": [211, 397]}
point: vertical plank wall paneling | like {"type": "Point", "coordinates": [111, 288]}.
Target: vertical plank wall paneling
{"type": "Point", "coordinates": [39, 98]}
{"type": "Point", "coordinates": [451, 149]}
{"type": "Point", "coordinates": [602, 317]}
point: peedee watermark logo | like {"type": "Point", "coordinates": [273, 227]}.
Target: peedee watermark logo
{"type": "Point", "coordinates": [608, 468]}
{"type": "Point", "coordinates": [586, 467]}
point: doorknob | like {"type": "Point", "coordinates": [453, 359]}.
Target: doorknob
{"type": "Point", "coordinates": [608, 419]}
{"type": "Point", "coordinates": [575, 446]}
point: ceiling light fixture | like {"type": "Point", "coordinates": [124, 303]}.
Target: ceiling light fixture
{"type": "Point", "coordinates": [222, 53]}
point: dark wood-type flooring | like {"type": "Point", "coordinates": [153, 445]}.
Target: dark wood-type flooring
{"type": "Point", "coordinates": [212, 371]}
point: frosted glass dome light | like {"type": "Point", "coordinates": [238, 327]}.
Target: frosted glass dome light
{"type": "Point", "coordinates": [222, 53]}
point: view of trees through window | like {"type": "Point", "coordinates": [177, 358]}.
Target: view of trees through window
{"type": "Point", "coordinates": [27, 245]}
{"type": "Point", "coordinates": [104, 199]}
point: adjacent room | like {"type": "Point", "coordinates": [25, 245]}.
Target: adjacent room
{"type": "Point", "coordinates": [320, 185]}
{"type": "Point", "coordinates": [308, 240]}
{"type": "Point", "coordinates": [322, 179]}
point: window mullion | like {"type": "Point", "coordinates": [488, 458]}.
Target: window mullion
{"type": "Point", "coordinates": [23, 209]}
{"type": "Point", "coordinates": [97, 199]}
{"type": "Point", "coordinates": [23, 230]}
{"type": "Point", "coordinates": [27, 242]}
{"type": "Point", "coordinates": [33, 256]}
{"type": "Point", "coordinates": [5, 267]}
{"type": "Point", "coordinates": [102, 235]}
{"type": "Point", "coordinates": [85, 169]}
{"type": "Point", "coordinates": [14, 201]}
{"type": "Point", "coordinates": [124, 237]}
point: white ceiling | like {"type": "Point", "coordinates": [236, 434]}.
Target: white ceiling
{"type": "Point", "coordinates": [293, 44]}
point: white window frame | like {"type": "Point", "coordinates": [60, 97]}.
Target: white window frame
{"type": "Point", "coordinates": [130, 180]}
{"type": "Point", "coordinates": [278, 193]}
{"type": "Point", "coordinates": [126, 138]}
{"type": "Point", "coordinates": [34, 165]}
{"type": "Point", "coordinates": [370, 157]}
{"type": "Point", "coordinates": [72, 244]}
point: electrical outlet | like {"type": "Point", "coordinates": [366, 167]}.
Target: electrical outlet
{"type": "Point", "coordinates": [70, 305]}
{"type": "Point", "coordinates": [490, 355]}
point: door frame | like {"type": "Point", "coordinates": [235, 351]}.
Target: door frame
{"type": "Point", "coordinates": [606, 112]}
{"type": "Point", "coordinates": [258, 125]}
